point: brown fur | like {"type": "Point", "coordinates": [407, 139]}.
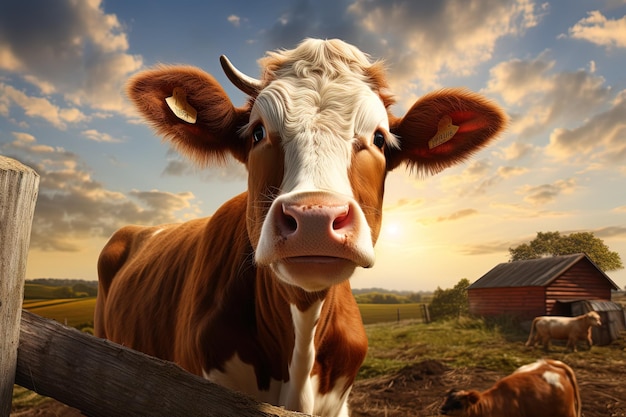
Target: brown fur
{"type": "Point", "coordinates": [192, 293]}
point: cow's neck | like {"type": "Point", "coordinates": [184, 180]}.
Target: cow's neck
{"type": "Point", "coordinates": [295, 314]}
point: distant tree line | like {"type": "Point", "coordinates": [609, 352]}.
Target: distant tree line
{"type": "Point", "coordinates": [62, 282]}
{"type": "Point", "coordinates": [49, 288]}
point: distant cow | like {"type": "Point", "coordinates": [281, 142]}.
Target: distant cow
{"type": "Point", "coordinates": [545, 328]}
{"type": "Point", "coordinates": [546, 388]}
{"type": "Point", "coordinates": [257, 298]}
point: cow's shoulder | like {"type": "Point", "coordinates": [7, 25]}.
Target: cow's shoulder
{"type": "Point", "coordinates": [117, 251]}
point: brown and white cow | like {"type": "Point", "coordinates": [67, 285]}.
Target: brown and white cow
{"type": "Point", "coordinates": [572, 329]}
{"type": "Point", "coordinates": [546, 388]}
{"type": "Point", "coordinates": [256, 297]}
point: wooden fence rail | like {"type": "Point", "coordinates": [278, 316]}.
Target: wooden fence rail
{"type": "Point", "coordinates": [96, 376]}
{"type": "Point", "coordinates": [102, 378]}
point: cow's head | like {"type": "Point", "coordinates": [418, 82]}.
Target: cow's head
{"type": "Point", "coordinates": [457, 402]}
{"type": "Point", "coordinates": [318, 139]}
{"type": "Point", "coordinates": [593, 319]}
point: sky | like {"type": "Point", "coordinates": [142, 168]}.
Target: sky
{"type": "Point", "coordinates": [557, 68]}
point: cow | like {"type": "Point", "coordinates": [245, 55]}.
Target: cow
{"type": "Point", "coordinates": [572, 329]}
{"type": "Point", "coordinates": [256, 297]}
{"type": "Point", "coordinates": [545, 388]}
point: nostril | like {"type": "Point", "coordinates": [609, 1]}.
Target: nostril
{"type": "Point", "coordinates": [343, 219]}
{"type": "Point", "coordinates": [286, 221]}
{"type": "Point", "coordinates": [290, 223]}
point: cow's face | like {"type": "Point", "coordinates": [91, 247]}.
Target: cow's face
{"type": "Point", "coordinates": [457, 402]}
{"type": "Point", "coordinates": [593, 319]}
{"type": "Point", "coordinates": [316, 172]}
{"type": "Point", "coordinates": [318, 139]}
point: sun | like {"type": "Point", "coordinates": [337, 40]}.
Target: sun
{"type": "Point", "coordinates": [392, 230]}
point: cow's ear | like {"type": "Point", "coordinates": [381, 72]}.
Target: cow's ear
{"type": "Point", "coordinates": [189, 107]}
{"type": "Point", "coordinates": [443, 129]}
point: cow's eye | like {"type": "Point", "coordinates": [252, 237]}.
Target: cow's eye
{"type": "Point", "coordinates": [258, 134]}
{"type": "Point", "coordinates": [379, 139]}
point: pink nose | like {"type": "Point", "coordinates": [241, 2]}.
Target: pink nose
{"type": "Point", "coordinates": [323, 222]}
{"type": "Point", "coordinates": [315, 227]}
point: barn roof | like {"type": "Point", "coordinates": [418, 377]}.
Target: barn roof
{"type": "Point", "coordinates": [533, 273]}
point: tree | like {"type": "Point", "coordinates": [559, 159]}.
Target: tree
{"type": "Point", "coordinates": [451, 302]}
{"type": "Point", "coordinates": [555, 244]}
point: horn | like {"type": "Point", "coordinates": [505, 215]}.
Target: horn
{"type": "Point", "coordinates": [245, 83]}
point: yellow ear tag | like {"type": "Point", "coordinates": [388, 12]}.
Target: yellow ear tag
{"type": "Point", "coordinates": [445, 131]}
{"type": "Point", "coordinates": [178, 104]}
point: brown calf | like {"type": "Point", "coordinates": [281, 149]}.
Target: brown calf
{"type": "Point", "coordinates": [546, 388]}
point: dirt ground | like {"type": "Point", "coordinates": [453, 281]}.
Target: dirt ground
{"type": "Point", "coordinates": [418, 390]}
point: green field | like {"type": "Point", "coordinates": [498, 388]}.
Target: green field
{"type": "Point", "coordinates": [72, 311]}
{"type": "Point", "coordinates": [382, 313]}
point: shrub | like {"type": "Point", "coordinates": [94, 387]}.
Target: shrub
{"type": "Point", "coordinates": [451, 302]}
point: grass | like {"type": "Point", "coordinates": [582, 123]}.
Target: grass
{"type": "Point", "coordinates": [464, 342]}
{"type": "Point", "coordinates": [24, 399]}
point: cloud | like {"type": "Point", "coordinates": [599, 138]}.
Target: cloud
{"type": "Point", "coordinates": [544, 98]}
{"type": "Point", "coordinates": [403, 204]}
{"type": "Point", "coordinates": [73, 206]}
{"type": "Point", "coordinates": [428, 40]}
{"type": "Point", "coordinates": [38, 107]}
{"type": "Point", "coordinates": [68, 47]}
{"type": "Point", "coordinates": [460, 214]}
{"type": "Point", "coordinates": [477, 179]}
{"type": "Point", "coordinates": [454, 216]}
{"type": "Point", "coordinates": [231, 170]}
{"type": "Point", "coordinates": [601, 139]}
{"type": "Point", "coordinates": [487, 248]}
{"type": "Point", "coordinates": [234, 20]}
{"type": "Point", "coordinates": [610, 232]}
{"type": "Point", "coordinates": [516, 151]}
{"type": "Point", "coordinates": [599, 30]}
{"type": "Point", "coordinates": [93, 134]}
{"type": "Point", "coordinates": [310, 18]}
{"type": "Point", "coordinates": [546, 193]}
{"type": "Point", "coordinates": [510, 171]}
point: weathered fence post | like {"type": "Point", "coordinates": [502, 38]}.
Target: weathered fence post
{"type": "Point", "coordinates": [19, 185]}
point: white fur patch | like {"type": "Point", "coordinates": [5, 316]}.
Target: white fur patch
{"type": "Point", "coordinates": [240, 376]}
{"type": "Point", "coordinates": [531, 366]}
{"type": "Point", "coordinates": [301, 391]}
{"type": "Point", "coordinates": [332, 403]}
{"type": "Point", "coordinates": [553, 379]}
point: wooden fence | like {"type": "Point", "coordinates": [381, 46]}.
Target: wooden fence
{"type": "Point", "coordinates": [96, 376]}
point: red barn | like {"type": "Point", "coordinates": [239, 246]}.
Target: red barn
{"type": "Point", "coordinates": [527, 289]}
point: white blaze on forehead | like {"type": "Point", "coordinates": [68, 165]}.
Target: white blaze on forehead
{"type": "Point", "coordinates": [317, 126]}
